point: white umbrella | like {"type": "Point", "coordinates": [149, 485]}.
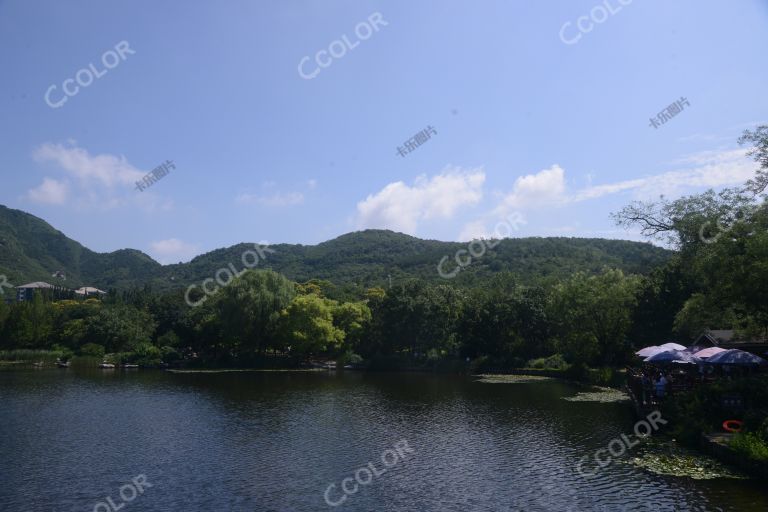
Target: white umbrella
{"type": "Point", "coordinates": [649, 351]}
{"type": "Point", "coordinates": [672, 346]}
{"type": "Point", "coordinates": [672, 356]}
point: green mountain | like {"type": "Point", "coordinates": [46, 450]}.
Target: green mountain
{"type": "Point", "coordinates": [32, 250]}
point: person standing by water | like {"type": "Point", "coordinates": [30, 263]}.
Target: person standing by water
{"type": "Point", "coordinates": [661, 386]}
{"type": "Point", "coordinates": [646, 385]}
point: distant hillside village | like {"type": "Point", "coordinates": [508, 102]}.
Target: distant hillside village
{"type": "Point", "coordinates": [27, 291]}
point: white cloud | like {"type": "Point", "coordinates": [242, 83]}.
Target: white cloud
{"type": "Point", "coordinates": [474, 230]}
{"type": "Point", "coordinates": [105, 169]}
{"type": "Point", "coordinates": [401, 207]}
{"type": "Point", "coordinates": [707, 169]}
{"type": "Point", "coordinates": [100, 182]}
{"type": "Point", "coordinates": [541, 189]}
{"type": "Point", "coordinates": [50, 191]}
{"type": "Point", "coordinates": [711, 169]}
{"type": "Point", "coordinates": [277, 199]}
{"type": "Point", "coordinates": [173, 250]}
{"type": "Point", "coordinates": [549, 188]}
{"type": "Point", "coordinates": [274, 198]}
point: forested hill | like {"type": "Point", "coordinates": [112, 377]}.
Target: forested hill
{"type": "Point", "coordinates": [32, 250]}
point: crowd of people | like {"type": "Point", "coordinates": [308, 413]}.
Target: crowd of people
{"type": "Point", "coordinates": [651, 384]}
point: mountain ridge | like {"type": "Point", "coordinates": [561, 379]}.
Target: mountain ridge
{"type": "Point", "coordinates": [31, 249]}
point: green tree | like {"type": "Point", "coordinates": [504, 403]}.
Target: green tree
{"type": "Point", "coordinates": [249, 307]}
{"type": "Point", "coordinates": [487, 327]}
{"type": "Point", "coordinates": [30, 324]}
{"type": "Point", "coordinates": [660, 296]}
{"type": "Point", "coordinates": [595, 309]}
{"type": "Point", "coordinates": [120, 328]}
{"type": "Point", "coordinates": [353, 318]}
{"type": "Point", "coordinates": [699, 313]}
{"type": "Point", "coordinates": [723, 239]}
{"type": "Point", "coordinates": [307, 326]}
{"type": "Point", "coordinates": [92, 349]}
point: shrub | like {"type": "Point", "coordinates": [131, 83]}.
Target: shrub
{"type": "Point", "coordinates": [20, 355]}
{"type": "Point", "coordinates": [170, 354]}
{"type": "Point", "coordinates": [168, 339]}
{"type": "Point", "coordinates": [92, 349]}
{"type": "Point", "coordinates": [66, 353]}
{"type": "Point", "coordinates": [554, 362]}
{"type": "Point", "coordinates": [751, 446]}
{"type": "Point", "coordinates": [348, 358]}
{"type": "Point", "coordinates": [701, 410]}
{"type": "Point", "coordinates": [146, 354]}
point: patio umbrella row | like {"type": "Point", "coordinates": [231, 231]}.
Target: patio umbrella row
{"type": "Point", "coordinates": [675, 353]}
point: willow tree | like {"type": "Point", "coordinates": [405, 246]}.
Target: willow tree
{"type": "Point", "coordinates": [248, 309]}
{"type": "Point", "coordinates": [306, 326]}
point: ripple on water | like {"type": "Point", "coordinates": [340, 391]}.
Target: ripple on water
{"type": "Point", "coordinates": [247, 441]}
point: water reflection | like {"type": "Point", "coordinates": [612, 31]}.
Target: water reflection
{"type": "Point", "coordinates": [275, 441]}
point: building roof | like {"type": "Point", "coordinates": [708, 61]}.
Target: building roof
{"type": "Point", "coordinates": [88, 290]}
{"type": "Point", "coordinates": [726, 338]}
{"type": "Point", "coordinates": [723, 335]}
{"type": "Point", "coordinates": [36, 284]}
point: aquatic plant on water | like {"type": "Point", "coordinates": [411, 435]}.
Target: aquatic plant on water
{"type": "Point", "coordinates": [511, 379]}
{"type": "Point", "coordinates": [669, 458]}
{"type": "Point", "coordinates": [599, 394]}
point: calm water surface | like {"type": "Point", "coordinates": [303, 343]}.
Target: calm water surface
{"type": "Point", "coordinates": [276, 441]}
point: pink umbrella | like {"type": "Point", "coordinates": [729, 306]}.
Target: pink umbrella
{"type": "Point", "coordinates": [709, 352]}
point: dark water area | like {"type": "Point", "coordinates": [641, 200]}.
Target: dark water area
{"type": "Point", "coordinates": [268, 441]}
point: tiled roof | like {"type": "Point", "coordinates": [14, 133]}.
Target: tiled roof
{"type": "Point", "coordinates": [36, 284]}
{"type": "Point", "coordinates": [89, 289]}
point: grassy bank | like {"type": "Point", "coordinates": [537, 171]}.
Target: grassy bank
{"type": "Point", "coordinates": [704, 409]}
{"type": "Point", "coordinates": [30, 356]}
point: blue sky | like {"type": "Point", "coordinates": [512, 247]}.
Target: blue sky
{"type": "Point", "coordinates": [533, 116]}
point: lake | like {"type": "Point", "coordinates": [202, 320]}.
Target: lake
{"type": "Point", "coordinates": [99, 440]}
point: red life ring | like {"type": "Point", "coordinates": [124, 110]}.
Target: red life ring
{"type": "Point", "coordinates": [733, 426]}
